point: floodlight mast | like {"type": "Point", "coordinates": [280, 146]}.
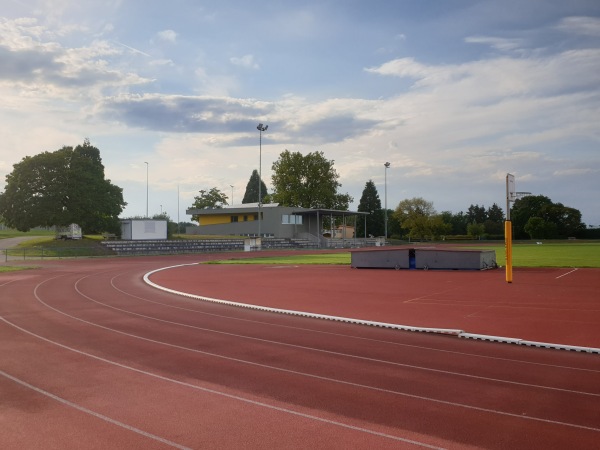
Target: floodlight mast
{"type": "Point", "coordinates": [260, 129]}
{"type": "Point", "coordinates": [145, 162]}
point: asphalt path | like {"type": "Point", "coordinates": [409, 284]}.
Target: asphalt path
{"type": "Point", "coordinates": [15, 241]}
{"type": "Point", "coordinates": [92, 357]}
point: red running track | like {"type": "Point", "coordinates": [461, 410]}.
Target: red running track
{"type": "Point", "coordinates": [91, 357]}
{"type": "Point", "coordinates": [555, 305]}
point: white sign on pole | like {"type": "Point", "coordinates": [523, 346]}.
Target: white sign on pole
{"type": "Point", "coordinates": [511, 192]}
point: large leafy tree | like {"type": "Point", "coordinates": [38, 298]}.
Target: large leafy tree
{"type": "Point", "coordinates": [458, 222]}
{"type": "Point", "coordinates": [566, 221]}
{"type": "Point", "coordinates": [525, 208]}
{"type": "Point", "coordinates": [308, 181]}
{"type": "Point", "coordinates": [418, 216]}
{"type": "Point", "coordinates": [370, 203]}
{"type": "Point", "coordinates": [251, 194]}
{"type": "Point", "coordinates": [59, 188]}
{"type": "Point", "coordinates": [212, 198]}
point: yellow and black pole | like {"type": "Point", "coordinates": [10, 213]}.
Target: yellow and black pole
{"type": "Point", "coordinates": [508, 249]}
{"type": "Point", "coordinates": [510, 196]}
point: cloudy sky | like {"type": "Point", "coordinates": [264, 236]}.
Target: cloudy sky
{"type": "Point", "coordinates": [454, 94]}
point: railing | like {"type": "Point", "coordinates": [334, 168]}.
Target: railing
{"type": "Point", "coordinates": [28, 253]}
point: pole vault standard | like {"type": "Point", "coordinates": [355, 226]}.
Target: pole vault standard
{"type": "Point", "coordinates": [511, 196]}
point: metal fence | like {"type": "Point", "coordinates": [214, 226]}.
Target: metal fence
{"type": "Point", "coordinates": [30, 253]}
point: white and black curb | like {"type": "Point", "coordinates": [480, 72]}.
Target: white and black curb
{"type": "Point", "coordinates": [444, 331]}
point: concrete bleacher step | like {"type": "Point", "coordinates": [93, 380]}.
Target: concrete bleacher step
{"type": "Point", "coordinates": [155, 247]}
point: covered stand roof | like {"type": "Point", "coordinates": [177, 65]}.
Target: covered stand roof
{"type": "Point", "coordinates": [329, 212]}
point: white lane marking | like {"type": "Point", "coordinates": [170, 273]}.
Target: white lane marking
{"type": "Point", "coordinates": [398, 344]}
{"type": "Point", "coordinates": [93, 413]}
{"type": "Point", "coordinates": [446, 331]}
{"type": "Point", "coordinates": [403, 394]}
{"type": "Point", "coordinates": [329, 352]}
{"type": "Point", "coordinates": [565, 274]}
{"type": "Point", "coordinates": [235, 397]}
{"type": "Point", "coordinates": [221, 393]}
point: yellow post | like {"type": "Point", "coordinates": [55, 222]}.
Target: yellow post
{"type": "Point", "coordinates": [508, 248]}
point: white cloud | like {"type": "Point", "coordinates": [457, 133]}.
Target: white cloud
{"type": "Point", "coordinates": [501, 44]}
{"type": "Point", "coordinates": [167, 36]}
{"type": "Point", "coordinates": [246, 61]}
{"type": "Point", "coordinates": [589, 26]}
{"type": "Point", "coordinates": [451, 126]}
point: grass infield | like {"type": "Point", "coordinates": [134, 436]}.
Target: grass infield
{"type": "Point", "coordinates": [524, 255]}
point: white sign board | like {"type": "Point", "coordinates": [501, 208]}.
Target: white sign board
{"type": "Point", "coordinates": [511, 192]}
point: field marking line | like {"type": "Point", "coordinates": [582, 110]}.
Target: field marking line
{"type": "Point", "coordinates": [237, 397]}
{"type": "Point", "coordinates": [285, 344]}
{"type": "Point", "coordinates": [349, 336]}
{"type": "Point", "coordinates": [93, 413]}
{"type": "Point", "coordinates": [568, 273]}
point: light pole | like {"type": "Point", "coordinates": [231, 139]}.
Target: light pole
{"type": "Point", "coordinates": [146, 189]}
{"type": "Point", "coordinates": [387, 166]}
{"type": "Point", "coordinates": [260, 129]}
{"type": "Point", "coordinates": [231, 186]}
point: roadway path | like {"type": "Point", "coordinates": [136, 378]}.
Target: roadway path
{"type": "Point", "coordinates": [91, 357]}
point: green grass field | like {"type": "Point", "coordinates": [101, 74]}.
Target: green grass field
{"type": "Point", "coordinates": [4, 234]}
{"type": "Point", "coordinates": [551, 254]}
{"type": "Point", "coordinates": [524, 255]}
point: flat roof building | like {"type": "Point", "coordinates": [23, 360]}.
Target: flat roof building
{"type": "Point", "coordinates": [276, 221]}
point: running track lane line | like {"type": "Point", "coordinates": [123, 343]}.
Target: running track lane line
{"type": "Point", "coordinates": [285, 410]}
{"type": "Point", "coordinates": [231, 396]}
{"type": "Point", "coordinates": [404, 394]}
{"type": "Point", "coordinates": [302, 347]}
{"type": "Point", "coordinates": [348, 336]}
{"type": "Point", "coordinates": [452, 332]}
{"type": "Point", "coordinates": [94, 413]}
{"type": "Point", "coordinates": [565, 274]}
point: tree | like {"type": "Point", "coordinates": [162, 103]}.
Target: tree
{"type": "Point", "coordinates": [475, 229]}
{"type": "Point", "coordinates": [370, 203]}
{"type": "Point", "coordinates": [251, 194]}
{"type": "Point", "coordinates": [59, 188]}
{"type": "Point", "coordinates": [476, 214]}
{"type": "Point", "coordinates": [494, 223]}
{"type": "Point", "coordinates": [307, 181]}
{"type": "Point", "coordinates": [566, 221]}
{"type": "Point", "coordinates": [538, 228]}
{"type": "Point", "coordinates": [209, 199]}
{"type": "Point", "coordinates": [495, 214]}
{"type": "Point", "coordinates": [458, 222]}
{"type": "Point", "coordinates": [525, 208]}
{"type": "Point", "coordinates": [416, 215]}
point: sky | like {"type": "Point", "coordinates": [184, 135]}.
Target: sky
{"type": "Point", "coordinates": [453, 94]}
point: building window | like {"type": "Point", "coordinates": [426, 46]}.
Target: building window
{"type": "Point", "coordinates": [246, 218]}
{"type": "Point", "coordinates": [291, 219]}
{"type": "Point", "coordinates": [234, 219]}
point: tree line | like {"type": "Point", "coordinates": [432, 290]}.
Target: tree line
{"type": "Point", "coordinates": [311, 181]}
{"type": "Point", "coordinates": [59, 188]}
{"type": "Point", "coordinates": [69, 186]}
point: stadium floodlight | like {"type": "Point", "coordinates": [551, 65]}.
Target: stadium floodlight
{"type": "Point", "coordinates": [387, 166]}
{"type": "Point", "coordinates": [146, 189]}
{"type": "Point", "coordinates": [260, 129]}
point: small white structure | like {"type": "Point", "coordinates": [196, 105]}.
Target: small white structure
{"type": "Point", "coordinates": [143, 229]}
{"type": "Point", "coordinates": [252, 244]}
{"type": "Point", "coordinates": [72, 231]}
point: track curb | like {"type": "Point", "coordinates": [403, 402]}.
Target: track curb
{"type": "Point", "coordinates": [442, 331]}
